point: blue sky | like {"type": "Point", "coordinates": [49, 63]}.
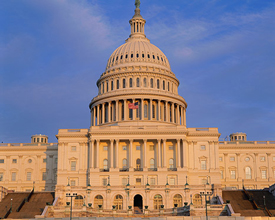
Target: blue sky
{"type": "Point", "coordinates": [52, 52]}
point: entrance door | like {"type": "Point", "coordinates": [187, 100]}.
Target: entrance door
{"type": "Point", "coordinates": [138, 204]}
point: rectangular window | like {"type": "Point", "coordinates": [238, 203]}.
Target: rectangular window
{"type": "Point", "coordinates": [73, 148]}
{"type": "Point", "coordinates": [137, 147]}
{"type": "Point", "coordinates": [152, 181]}
{"type": "Point", "coordinates": [221, 174]}
{"type": "Point", "coordinates": [124, 147]}
{"type": "Point", "coordinates": [104, 181]}
{"type": "Point", "coordinates": [138, 181]}
{"type": "Point", "coordinates": [1, 176]}
{"type": "Point", "coordinates": [203, 164]}
{"type": "Point", "coordinates": [232, 159]}
{"type": "Point", "coordinates": [14, 160]}
{"type": "Point", "coordinates": [44, 160]}
{"type": "Point", "coordinates": [171, 147]}
{"type": "Point", "coordinates": [105, 148]}
{"type": "Point", "coordinates": [264, 174]}
{"type": "Point", "coordinates": [232, 174]}
{"type": "Point", "coordinates": [220, 159]}
{"type": "Point", "coordinates": [29, 176]}
{"type": "Point", "coordinates": [2, 161]}
{"type": "Point", "coordinates": [151, 147]}
{"type": "Point", "coordinates": [124, 181]}
{"type": "Point", "coordinates": [172, 181]}
{"type": "Point", "coordinates": [73, 165]}
{"type": "Point", "coordinates": [117, 84]}
{"type": "Point", "coordinates": [13, 176]}
{"type": "Point", "coordinates": [262, 158]}
{"type": "Point", "coordinates": [72, 182]}
{"type": "Point", "coordinates": [112, 85]}
{"type": "Point", "coordinates": [203, 147]}
{"type": "Point", "coordinates": [44, 176]}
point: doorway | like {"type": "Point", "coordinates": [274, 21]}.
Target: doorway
{"type": "Point", "coordinates": [138, 204]}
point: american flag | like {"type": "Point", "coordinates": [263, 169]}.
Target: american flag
{"type": "Point", "coordinates": [133, 105]}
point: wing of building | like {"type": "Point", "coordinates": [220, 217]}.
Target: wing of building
{"type": "Point", "coordinates": [138, 150]}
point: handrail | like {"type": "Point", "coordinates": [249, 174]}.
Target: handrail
{"type": "Point", "coordinates": [21, 205]}
{"type": "Point", "coordinates": [7, 214]}
{"type": "Point", "coordinates": [29, 196]}
{"type": "Point", "coordinates": [268, 212]}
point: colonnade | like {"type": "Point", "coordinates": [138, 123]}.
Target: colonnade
{"type": "Point", "coordinates": [148, 109]}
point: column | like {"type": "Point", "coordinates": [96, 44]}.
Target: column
{"type": "Point", "coordinates": [117, 110]}
{"type": "Point", "coordinates": [144, 153]}
{"type": "Point", "coordinates": [185, 153]}
{"type": "Point", "coordinates": [173, 112]}
{"type": "Point", "coordinates": [92, 152]}
{"type": "Point", "coordinates": [159, 153]}
{"type": "Point", "coordinates": [97, 153]}
{"type": "Point", "coordinates": [184, 116]}
{"type": "Point", "coordinates": [255, 167]}
{"type": "Point", "coordinates": [109, 111]}
{"type": "Point", "coordinates": [112, 153]}
{"type": "Point", "coordinates": [164, 153]}
{"type": "Point", "coordinates": [131, 154]}
{"type": "Point", "coordinates": [117, 143]}
{"type": "Point", "coordinates": [151, 109]}
{"type": "Point", "coordinates": [97, 112]}
{"type": "Point", "coordinates": [237, 174]}
{"type": "Point", "coordinates": [181, 112]}
{"type": "Point", "coordinates": [125, 110]}
{"type": "Point", "coordinates": [94, 116]}
{"type": "Point", "coordinates": [142, 109]}
{"type": "Point", "coordinates": [269, 171]}
{"type": "Point", "coordinates": [178, 153]}
{"type": "Point", "coordinates": [166, 106]}
{"type": "Point", "coordinates": [225, 166]}
{"type": "Point", "coordinates": [159, 110]}
{"type": "Point", "coordinates": [190, 143]}
{"type": "Point", "coordinates": [178, 114]}
{"type": "Point", "coordinates": [211, 154]}
{"type": "Point", "coordinates": [103, 113]}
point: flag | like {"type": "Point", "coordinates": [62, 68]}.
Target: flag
{"type": "Point", "coordinates": [133, 105]}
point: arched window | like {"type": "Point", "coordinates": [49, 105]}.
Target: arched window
{"type": "Point", "coordinates": [197, 200]}
{"type": "Point", "coordinates": [171, 163]}
{"type": "Point", "coordinates": [112, 85]}
{"type": "Point", "coordinates": [124, 163]}
{"type": "Point", "coordinates": [157, 201]}
{"type": "Point", "coordinates": [117, 84]}
{"type": "Point", "coordinates": [103, 87]}
{"type": "Point", "coordinates": [123, 83]}
{"type": "Point", "coordinates": [98, 201]}
{"type": "Point", "coordinates": [107, 86]}
{"type": "Point", "coordinates": [177, 200]}
{"type": "Point", "coordinates": [153, 111]}
{"type": "Point", "coordinates": [137, 82]}
{"type": "Point", "coordinates": [122, 111]}
{"type": "Point", "coordinates": [105, 164]}
{"type": "Point", "coordinates": [130, 82]}
{"type": "Point", "coordinates": [118, 202]}
{"type": "Point", "coordinates": [144, 82]}
{"type": "Point", "coordinates": [138, 162]}
{"type": "Point", "coordinates": [163, 85]}
{"type": "Point", "coordinates": [157, 83]}
{"type": "Point", "coordinates": [145, 111]}
{"type": "Point", "coordinates": [152, 163]}
{"type": "Point", "coordinates": [152, 83]}
{"type": "Point", "coordinates": [78, 201]}
{"type": "Point", "coordinates": [248, 173]}
{"type": "Point", "coordinates": [168, 85]}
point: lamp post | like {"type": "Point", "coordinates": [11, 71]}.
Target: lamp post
{"type": "Point", "coordinates": [206, 201]}
{"type": "Point", "coordinates": [11, 204]}
{"type": "Point", "coordinates": [71, 195]}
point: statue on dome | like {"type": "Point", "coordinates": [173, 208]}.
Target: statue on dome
{"type": "Point", "coordinates": [137, 3]}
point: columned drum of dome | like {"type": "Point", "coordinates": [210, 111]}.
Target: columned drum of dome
{"type": "Point", "coordinates": [138, 72]}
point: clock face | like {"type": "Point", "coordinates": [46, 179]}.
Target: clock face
{"type": "Point", "coordinates": [247, 159]}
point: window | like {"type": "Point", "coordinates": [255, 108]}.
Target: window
{"type": "Point", "coordinates": [29, 176]}
{"type": "Point", "coordinates": [112, 85]}
{"type": "Point", "coordinates": [107, 86]}
{"type": "Point", "coordinates": [152, 181]}
{"type": "Point", "coordinates": [145, 111]}
{"type": "Point", "coordinates": [73, 148]}
{"type": "Point", "coordinates": [130, 83]}
{"type": "Point", "coordinates": [163, 85]}
{"type": "Point", "coordinates": [103, 87]}
{"type": "Point", "coordinates": [144, 82]}
{"type": "Point", "coordinates": [137, 82]}
{"type": "Point", "coordinates": [203, 147]}
{"type": "Point", "coordinates": [177, 200]}
{"type": "Point", "coordinates": [152, 83]}
{"type": "Point", "coordinates": [29, 160]}
{"type": "Point", "coordinates": [98, 201]}
{"type": "Point", "coordinates": [14, 160]}
{"type": "Point", "coordinates": [232, 174]}
{"type": "Point", "coordinates": [124, 181]}
{"type": "Point", "coordinates": [137, 147]}
{"type": "Point", "coordinates": [221, 174]}
{"type": "Point", "coordinates": [104, 181]}
{"type": "Point", "coordinates": [152, 163]}
{"type": "Point", "coordinates": [171, 147]}
{"type": "Point", "coordinates": [124, 147]}
{"type": "Point", "coordinates": [197, 200]}
{"type": "Point", "coordinates": [137, 55]}
{"type": "Point", "coordinates": [151, 147]}
{"type": "Point", "coordinates": [72, 182]}
{"type": "Point", "coordinates": [220, 159]}
{"type": "Point", "coordinates": [124, 163]}
{"type": "Point", "coordinates": [157, 201]}
{"type": "Point", "coordinates": [247, 159]}
{"type": "Point", "coordinates": [153, 111]}
{"type": "Point", "coordinates": [203, 164]}
{"type": "Point", "coordinates": [132, 55]}
{"type": "Point", "coordinates": [232, 159]}
{"type": "Point", "coordinates": [248, 173]}
{"type": "Point", "coordinates": [171, 163]}
{"type": "Point", "coordinates": [264, 176]}
{"type": "Point", "coordinates": [168, 85]}
{"type": "Point", "coordinates": [13, 176]}
{"type": "Point", "coordinates": [105, 164]}
{"type": "Point", "coordinates": [118, 202]}
{"type": "Point", "coordinates": [1, 176]}
{"type": "Point", "coordinates": [44, 160]}
{"type": "Point", "coordinates": [158, 83]}
{"type": "Point", "coordinates": [44, 176]}
{"type": "Point", "coordinates": [138, 162]}
{"type": "Point", "coordinates": [138, 181]}
{"type": "Point", "coordinates": [73, 165]}
{"type": "Point", "coordinates": [123, 83]}
{"type": "Point", "coordinates": [117, 84]}
{"type": "Point", "coordinates": [78, 201]}
{"type": "Point", "coordinates": [262, 158]}
{"type": "Point", "coordinates": [105, 148]}
{"type": "Point", "coordinates": [172, 181]}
